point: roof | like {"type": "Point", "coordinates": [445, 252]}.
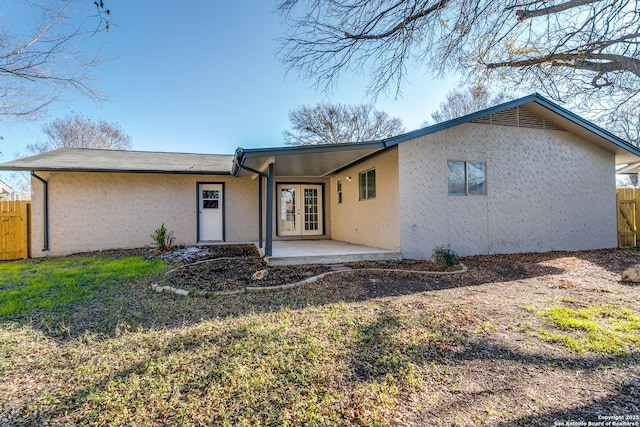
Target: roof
{"type": "Point", "coordinates": [93, 160]}
{"type": "Point", "coordinates": [312, 160]}
{"type": "Point", "coordinates": [4, 188]}
{"type": "Point", "coordinates": [308, 160]}
{"type": "Point", "coordinates": [320, 160]}
{"type": "Point", "coordinates": [546, 109]}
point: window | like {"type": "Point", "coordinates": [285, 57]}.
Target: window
{"type": "Point", "coordinates": [367, 184]}
{"type": "Point", "coordinates": [210, 199]}
{"type": "Point", "coordinates": [466, 178]}
{"type": "Point", "coordinates": [339, 191]}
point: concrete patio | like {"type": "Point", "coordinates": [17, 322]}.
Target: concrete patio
{"type": "Point", "coordinates": [295, 252]}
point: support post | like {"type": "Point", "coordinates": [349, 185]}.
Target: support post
{"type": "Point", "coordinates": [260, 217]}
{"type": "Point", "coordinates": [268, 250]}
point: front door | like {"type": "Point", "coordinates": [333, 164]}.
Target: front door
{"type": "Point", "coordinates": [210, 212]}
{"type": "Point", "coordinates": [300, 209]}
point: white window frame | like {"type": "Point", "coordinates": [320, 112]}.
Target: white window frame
{"type": "Point", "coordinates": [366, 193]}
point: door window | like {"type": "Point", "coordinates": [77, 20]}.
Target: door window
{"type": "Point", "coordinates": [210, 199]}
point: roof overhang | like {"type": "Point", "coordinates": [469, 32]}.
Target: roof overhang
{"type": "Point", "coordinates": [310, 160]}
{"type": "Point", "coordinates": [91, 160]}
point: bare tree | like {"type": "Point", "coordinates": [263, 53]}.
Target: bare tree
{"type": "Point", "coordinates": [336, 124]}
{"type": "Point", "coordinates": [585, 52]}
{"type": "Point", "coordinates": [41, 59]}
{"type": "Point", "coordinates": [461, 102]}
{"type": "Point", "coordinates": [76, 131]}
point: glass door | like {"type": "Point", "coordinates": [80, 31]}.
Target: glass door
{"type": "Point", "coordinates": [299, 210]}
{"type": "Point", "coordinates": [289, 218]}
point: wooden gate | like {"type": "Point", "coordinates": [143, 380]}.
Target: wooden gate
{"type": "Point", "coordinates": [627, 206]}
{"type": "Point", "coordinates": [15, 230]}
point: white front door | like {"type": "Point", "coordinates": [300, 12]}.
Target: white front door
{"type": "Point", "coordinates": [210, 212]}
{"type": "Point", "coordinates": [299, 209]}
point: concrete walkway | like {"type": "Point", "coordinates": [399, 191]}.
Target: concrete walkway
{"type": "Point", "coordinates": [294, 252]}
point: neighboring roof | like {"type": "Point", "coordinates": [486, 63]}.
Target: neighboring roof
{"type": "Point", "coordinates": [544, 108]}
{"type": "Point", "coordinates": [4, 188]}
{"type": "Point", "coordinates": [92, 160]}
{"type": "Point", "coordinates": [308, 160]}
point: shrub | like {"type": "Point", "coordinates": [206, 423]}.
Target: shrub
{"type": "Point", "coordinates": [163, 238]}
{"type": "Point", "coordinates": [445, 256]}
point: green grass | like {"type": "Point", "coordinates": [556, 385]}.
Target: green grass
{"type": "Point", "coordinates": [29, 285]}
{"type": "Point", "coordinates": [607, 329]}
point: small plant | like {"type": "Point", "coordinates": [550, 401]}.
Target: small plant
{"type": "Point", "coordinates": [445, 257]}
{"type": "Point", "coordinates": [163, 238]}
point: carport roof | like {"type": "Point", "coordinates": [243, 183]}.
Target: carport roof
{"type": "Point", "coordinates": [92, 160]}
{"type": "Point", "coordinates": [309, 160]}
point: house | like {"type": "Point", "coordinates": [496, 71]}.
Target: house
{"type": "Point", "coordinates": [5, 189]}
{"type": "Point", "coordinates": [523, 176]}
{"type": "Point", "coordinates": [7, 193]}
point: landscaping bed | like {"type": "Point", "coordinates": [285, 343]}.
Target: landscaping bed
{"type": "Point", "coordinates": [235, 267]}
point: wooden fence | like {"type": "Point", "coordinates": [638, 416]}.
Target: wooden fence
{"type": "Point", "coordinates": [15, 230]}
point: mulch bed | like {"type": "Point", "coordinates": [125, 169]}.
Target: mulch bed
{"type": "Point", "coordinates": [235, 273]}
{"type": "Point", "coordinates": [231, 267]}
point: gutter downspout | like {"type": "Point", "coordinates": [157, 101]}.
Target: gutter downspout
{"type": "Point", "coordinates": [237, 165]}
{"type": "Point", "coordinates": [45, 194]}
{"type": "Point", "coordinates": [260, 211]}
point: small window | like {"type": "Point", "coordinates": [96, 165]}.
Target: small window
{"type": "Point", "coordinates": [466, 178]}
{"type": "Point", "coordinates": [339, 191]}
{"type": "Point", "coordinates": [367, 184]}
{"type": "Point", "coordinates": [210, 199]}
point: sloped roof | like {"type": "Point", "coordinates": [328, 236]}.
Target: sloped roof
{"type": "Point", "coordinates": [4, 188]}
{"type": "Point", "coordinates": [540, 106]}
{"type": "Point", "coordinates": [92, 160]}
{"type": "Point", "coordinates": [530, 111]}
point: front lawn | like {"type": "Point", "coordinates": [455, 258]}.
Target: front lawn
{"type": "Point", "coordinates": [88, 342]}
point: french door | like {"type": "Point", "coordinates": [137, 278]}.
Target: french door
{"type": "Point", "coordinates": [299, 210]}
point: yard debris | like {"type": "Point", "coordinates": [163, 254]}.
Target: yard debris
{"type": "Point", "coordinates": [184, 254]}
{"type": "Point", "coordinates": [260, 274]}
{"type": "Point", "coordinates": [169, 289]}
{"type": "Point", "coordinates": [631, 274]}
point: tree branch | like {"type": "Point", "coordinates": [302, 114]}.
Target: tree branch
{"type": "Point", "coordinates": [524, 14]}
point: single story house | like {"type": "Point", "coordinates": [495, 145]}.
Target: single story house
{"type": "Point", "coordinates": [523, 176]}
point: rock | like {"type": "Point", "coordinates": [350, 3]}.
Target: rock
{"type": "Point", "coordinates": [181, 292]}
{"type": "Point", "coordinates": [631, 274]}
{"type": "Point", "coordinates": [260, 274]}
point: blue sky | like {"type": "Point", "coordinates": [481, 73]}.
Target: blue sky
{"type": "Point", "coordinates": [204, 77]}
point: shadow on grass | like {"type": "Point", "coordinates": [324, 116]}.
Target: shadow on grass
{"type": "Point", "coordinates": [377, 353]}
